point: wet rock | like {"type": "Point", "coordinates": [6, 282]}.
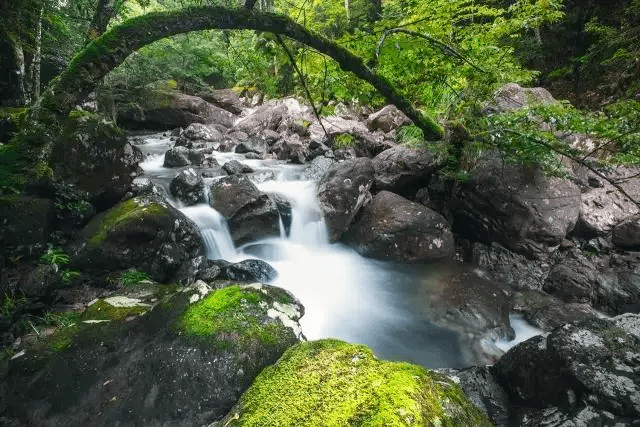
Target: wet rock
{"type": "Point", "coordinates": [252, 145]}
{"type": "Point", "coordinates": [199, 268]}
{"type": "Point", "coordinates": [94, 155]}
{"type": "Point", "coordinates": [267, 116]}
{"type": "Point", "coordinates": [403, 170]}
{"type": "Point", "coordinates": [291, 149]}
{"type": "Point", "coordinates": [605, 207]}
{"type": "Point", "coordinates": [284, 208]}
{"type": "Point", "coordinates": [330, 382]}
{"type": "Point", "coordinates": [618, 287]}
{"type": "Point", "coordinates": [513, 97]}
{"type": "Point", "coordinates": [627, 233]}
{"type": "Point", "coordinates": [387, 119]}
{"type": "Point", "coordinates": [234, 167]}
{"type": "Point", "coordinates": [179, 364]}
{"type": "Point", "coordinates": [202, 132]}
{"type": "Point", "coordinates": [250, 213]}
{"type": "Point", "coordinates": [484, 391]}
{"type": "Point", "coordinates": [590, 364]}
{"type": "Point", "coordinates": [394, 228]}
{"type": "Point", "coordinates": [516, 206]}
{"type": "Point", "coordinates": [547, 312]}
{"type": "Point", "coordinates": [342, 191]}
{"type": "Point", "coordinates": [188, 187]}
{"type": "Point", "coordinates": [182, 156]}
{"type": "Point", "coordinates": [250, 270]}
{"type": "Point", "coordinates": [572, 281]}
{"type": "Point", "coordinates": [145, 233]}
{"type": "Point", "coordinates": [500, 264]}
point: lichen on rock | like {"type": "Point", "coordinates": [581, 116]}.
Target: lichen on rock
{"type": "Point", "coordinates": [331, 382]}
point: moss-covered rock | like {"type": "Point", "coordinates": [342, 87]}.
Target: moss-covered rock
{"type": "Point", "coordinates": [94, 155]}
{"type": "Point", "coordinates": [114, 364]}
{"type": "Point", "coordinates": [143, 232]}
{"type": "Point", "coordinates": [333, 383]}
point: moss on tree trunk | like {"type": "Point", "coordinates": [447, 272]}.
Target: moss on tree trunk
{"type": "Point", "coordinates": [112, 48]}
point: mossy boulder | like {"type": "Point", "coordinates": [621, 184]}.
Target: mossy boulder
{"type": "Point", "coordinates": [333, 383]}
{"type": "Point", "coordinates": [94, 155]}
{"type": "Point", "coordinates": [144, 233]}
{"type": "Point", "coordinates": [184, 362]}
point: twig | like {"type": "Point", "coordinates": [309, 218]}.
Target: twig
{"type": "Point", "coordinates": [302, 81]}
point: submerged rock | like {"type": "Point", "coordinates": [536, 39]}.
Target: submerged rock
{"type": "Point", "coordinates": [183, 363]}
{"type": "Point", "coordinates": [332, 383]}
{"type": "Point", "coordinates": [342, 191]}
{"type": "Point", "coordinates": [394, 228]}
{"type": "Point", "coordinates": [145, 233]}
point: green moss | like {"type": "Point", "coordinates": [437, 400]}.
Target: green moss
{"type": "Point", "coordinates": [235, 315]}
{"type": "Point", "coordinates": [333, 383]}
{"type": "Point", "coordinates": [344, 140]}
{"type": "Point", "coordinates": [129, 211]}
{"type": "Point", "coordinates": [17, 115]}
{"type": "Point", "coordinates": [103, 310]}
{"type": "Point", "coordinates": [304, 124]}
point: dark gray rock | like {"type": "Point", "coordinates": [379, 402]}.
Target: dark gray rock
{"type": "Point", "coordinates": [150, 370]}
{"type": "Point", "coordinates": [342, 191]}
{"type": "Point", "coordinates": [318, 167]}
{"type": "Point", "coordinates": [234, 167]}
{"type": "Point", "coordinates": [394, 228]}
{"type": "Point", "coordinates": [387, 119]}
{"type": "Point", "coordinates": [94, 155]}
{"type": "Point", "coordinates": [548, 312]}
{"type": "Point", "coordinates": [25, 221]}
{"type": "Point", "coordinates": [572, 280]}
{"type": "Point", "coordinates": [145, 233]}
{"type": "Point", "coordinates": [594, 363]}
{"type": "Point", "coordinates": [618, 286]}
{"type": "Point", "coordinates": [198, 268]}
{"type": "Point", "coordinates": [177, 157]}
{"type": "Point", "coordinates": [250, 213]}
{"type": "Point", "coordinates": [403, 170]}
{"type": "Point", "coordinates": [291, 149]}
{"type": "Point", "coordinates": [252, 145]}
{"type": "Point", "coordinates": [604, 207]}
{"type": "Point", "coordinates": [626, 234]}
{"type": "Point", "coordinates": [224, 98]}
{"type": "Point", "coordinates": [250, 270]}
{"type": "Point", "coordinates": [188, 187]}
{"type": "Point", "coordinates": [484, 391]}
{"type": "Point", "coordinates": [516, 206]}
{"type": "Point", "coordinates": [504, 266]}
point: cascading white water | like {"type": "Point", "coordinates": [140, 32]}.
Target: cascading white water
{"type": "Point", "coordinates": [346, 296]}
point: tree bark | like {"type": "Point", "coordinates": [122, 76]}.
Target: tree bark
{"type": "Point", "coordinates": [104, 54]}
{"type": "Point", "coordinates": [105, 11]}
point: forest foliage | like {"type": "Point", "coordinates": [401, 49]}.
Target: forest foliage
{"type": "Point", "coordinates": [445, 56]}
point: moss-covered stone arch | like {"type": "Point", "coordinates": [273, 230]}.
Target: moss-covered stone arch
{"type": "Point", "coordinates": [108, 51]}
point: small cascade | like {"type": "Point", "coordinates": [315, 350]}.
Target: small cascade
{"type": "Point", "coordinates": [522, 329]}
{"type": "Point", "coordinates": [214, 230]}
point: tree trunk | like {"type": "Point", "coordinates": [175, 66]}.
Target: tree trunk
{"type": "Point", "coordinates": [20, 71]}
{"type": "Point", "coordinates": [88, 67]}
{"type": "Point", "coordinates": [34, 69]}
{"type": "Point", "coordinates": [105, 11]}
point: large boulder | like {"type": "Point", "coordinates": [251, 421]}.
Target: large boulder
{"type": "Point", "coordinates": [342, 191]}
{"type": "Point", "coordinates": [618, 285]}
{"type": "Point", "coordinates": [144, 233]}
{"type": "Point", "coordinates": [188, 187]}
{"type": "Point", "coordinates": [626, 235]}
{"type": "Point", "coordinates": [592, 365]}
{"type": "Point", "coordinates": [387, 119]}
{"type": "Point", "coordinates": [403, 170]}
{"type": "Point", "coordinates": [330, 382]}
{"type": "Point", "coordinates": [25, 220]}
{"type": "Point", "coordinates": [394, 228]}
{"type": "Point", "coordinates": [167, 109]}
{"type": "Point", "coordinates": [573, 280]}
{"type": "Point", "coordinates": [182, 156]}
{"type": "Point", "coordinates": [547, 312]}
{"type": "Point", "coordinates": [516, 206]}
{"type": "Point", "coordinates": [94, 155]}
{"type": "Point", "coordinates": [512, 96]}
{"type": "Point", "coordinates": [267, 116]}
{"type": "Point", "coordinates": [603, 206]}
{"type": "Point", "coordinates": [185, 362]}
{"type": "Point", "coordinates": [250, 213]}
{"type": "Point", "coordinates": [227, 99]}
{"type": "Point", "coordinates": [201, 132]}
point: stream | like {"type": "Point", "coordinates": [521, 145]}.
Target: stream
{"type": "Point", "coordinates": [377, 303]}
